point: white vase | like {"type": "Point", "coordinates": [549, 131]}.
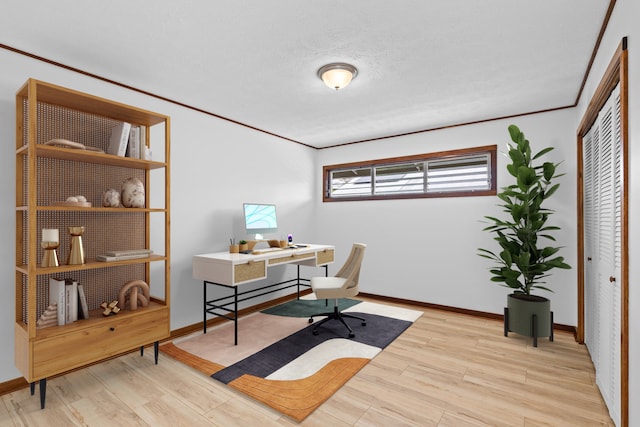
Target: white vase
{"type": "Point", "coordinates": [132, 193]}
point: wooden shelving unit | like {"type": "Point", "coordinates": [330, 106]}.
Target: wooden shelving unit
{"type": "Point", "coordinates": [48, 174]}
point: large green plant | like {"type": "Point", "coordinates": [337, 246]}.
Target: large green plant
{"type": "Point", "coordinates": [523, 262]}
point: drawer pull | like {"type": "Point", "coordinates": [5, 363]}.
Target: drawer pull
{"type": "Point", "coordinates": [112, 328]}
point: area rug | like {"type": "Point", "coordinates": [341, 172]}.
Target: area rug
{"type": "Point", "coordinates": [279, 362]}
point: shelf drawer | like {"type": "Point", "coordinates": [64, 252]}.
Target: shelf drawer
{"type": "Point", "coordinates": [112, 336]}
{"type": "Point", "coordinates": [325, 256]}
{"type": "Point", "coordinates": [251, 270]}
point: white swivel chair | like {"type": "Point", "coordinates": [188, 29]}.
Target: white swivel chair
{"type": "Point", "coordinates": [343, 285]}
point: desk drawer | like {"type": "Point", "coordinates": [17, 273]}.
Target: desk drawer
{"type": "Point", "coordinates": [291, 258]}
{"type": "Point", "coordinates": [251, 270]}
{"type": "Point", "coordinates": [103, 339]}
{"type": "Point", "coordinates": [325, 256]}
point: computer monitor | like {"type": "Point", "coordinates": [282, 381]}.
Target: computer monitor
{"type": "Point", "coordinates": [260, 218]}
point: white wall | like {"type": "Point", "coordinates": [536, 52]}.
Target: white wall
{"type": "Point", "coordinates": [624, 22]}
{"type": "Point", "coordinates": [426, 249]}
{"type": "Point", "coordinates": [216, 165]}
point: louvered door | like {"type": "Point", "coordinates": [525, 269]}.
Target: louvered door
{"type": "Point", "coordinates": [602, 148]}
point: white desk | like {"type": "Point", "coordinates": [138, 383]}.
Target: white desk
{"type": "Point", "coordinates": [233, 270]}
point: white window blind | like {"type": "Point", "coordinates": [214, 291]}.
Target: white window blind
{"type": "Point", "coordinates": [468, 173]}
{"type": "Point", "coordinates": [430, 175]}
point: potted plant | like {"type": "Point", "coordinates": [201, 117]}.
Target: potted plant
{"type": "Point", "coordinates": [523, 260]}
{"type": "Point", "coordinates": [244, 245]}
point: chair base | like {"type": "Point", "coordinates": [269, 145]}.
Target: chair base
{"type": "Point", "coordinates": [336, 315]}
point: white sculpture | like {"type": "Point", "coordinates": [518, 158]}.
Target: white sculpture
{"type": "Point", "coordinates": [111, 198]}
{"type": "Point", "coordinates": [132, 193]}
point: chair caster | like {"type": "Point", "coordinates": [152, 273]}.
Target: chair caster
{"type": "Point", "coordinates": [316, 332]}
{"type": "Point", "coordinates": [352, 335]}
{"type": "Point", "coordinates": [311, 320]}
{"type": "Point", "coordinates": [364, 323]}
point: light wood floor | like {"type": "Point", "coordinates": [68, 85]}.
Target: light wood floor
{"type": "Point", "coordinates": [446, 370]}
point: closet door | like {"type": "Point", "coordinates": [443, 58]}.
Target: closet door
{"type": "Point", "coordinates": [603, 202]}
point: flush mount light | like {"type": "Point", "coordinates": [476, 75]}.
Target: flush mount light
{"type": "Point", "coordinates": [337, 75]}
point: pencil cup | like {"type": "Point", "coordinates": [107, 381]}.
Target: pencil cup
{"type": "Point", "coordinates": [234, 249]}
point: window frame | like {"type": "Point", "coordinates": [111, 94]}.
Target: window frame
{"type": "Point", "coordinates": [440, 155]}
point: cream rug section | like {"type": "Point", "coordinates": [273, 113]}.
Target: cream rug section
{"type": "Point", "coordinates": [386, 311]}
{"type": "Point", "coordinates": [316, 358]}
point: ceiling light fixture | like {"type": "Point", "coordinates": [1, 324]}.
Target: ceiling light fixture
{"type": "Point", "coordinates": [337, 75]}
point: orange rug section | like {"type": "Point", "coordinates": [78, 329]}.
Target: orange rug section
{"type": "Point", "coordinates": [299, 398]}
{"type": "Point", "coordinates": [198, 363]}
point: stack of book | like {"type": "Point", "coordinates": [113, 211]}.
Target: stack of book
{"type": "Point", "coordinates": [130, 141]}
{"type": "Point", "coordinates": [124, 255]}
{"type": "Point", "coordinates": [70, 299]}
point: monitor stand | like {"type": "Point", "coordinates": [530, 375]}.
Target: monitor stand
{"type": "Point", "coordinates": [270, 243]}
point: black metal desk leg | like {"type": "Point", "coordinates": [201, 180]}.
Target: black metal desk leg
{"type": "Point", "coordinates": [235, 313]}
{"type": "Point", "coordinates": [204, 302]}
{"type": "Point", "coordinates": [326, 274]}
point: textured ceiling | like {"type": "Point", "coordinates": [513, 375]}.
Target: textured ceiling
{"type": "Point", "coordinates": [422, 64]}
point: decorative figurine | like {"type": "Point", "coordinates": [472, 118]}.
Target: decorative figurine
{"type": "Point", "coordinates": [76, 252]}
{"type": "Point", "coordinates": [111, 198]}
{"type": "Point", "coordinates": [50, 242]}
{"type": "Point", "coordinates": [139, 292]}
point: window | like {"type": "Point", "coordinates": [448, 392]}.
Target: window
{"type": "Point", "coordinates": [468, 172]}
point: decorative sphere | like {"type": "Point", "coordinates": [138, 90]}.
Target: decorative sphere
{"type": "Point", "coordinates": [132, 193]}
{"type": "Point", "coordinates": [111, 198]}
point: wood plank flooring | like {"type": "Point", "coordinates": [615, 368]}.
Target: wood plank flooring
{"type": "Point", "coordinates": [448, 369]}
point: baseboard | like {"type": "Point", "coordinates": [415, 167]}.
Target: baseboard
{"type": "Point", "coordinates": [556, 326]}
{"type": "Point", "coordinates": [20, 383]}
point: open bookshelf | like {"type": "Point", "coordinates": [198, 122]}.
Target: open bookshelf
{"type": "Point", "coordinates": [47, 175]}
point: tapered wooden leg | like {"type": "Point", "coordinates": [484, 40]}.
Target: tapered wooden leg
{"type": "Point", "coordinates": [32, 386]}
{"type": "Point", "coordinates": [156, 350]}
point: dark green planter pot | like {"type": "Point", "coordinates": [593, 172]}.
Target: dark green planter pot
{"type": "Point", "coordinates": [528, 315]}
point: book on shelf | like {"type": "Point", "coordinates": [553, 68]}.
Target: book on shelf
{"type": "Point", "coordinates": [119, 139]}
{"type": "Point", "coordinates": [57, 294]}
{"type": "Point", "coordinates": [107, 258]}
{"type": "Point", "coordinates": [143, 143]}
{"type": "Point", "coordinates": [71, 300]}
{"type": "Point", "coordinates": [128, 252]}
{"type": "Point", "coordinates": [133, 148]}
{"type": "Point", "coordinates": [83, 309]}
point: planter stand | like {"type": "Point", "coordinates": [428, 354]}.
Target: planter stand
{"type": "Point", "coordinates": [534, 326]}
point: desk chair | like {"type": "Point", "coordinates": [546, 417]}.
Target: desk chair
{"type": "Point", "coordinates": [343, 285]}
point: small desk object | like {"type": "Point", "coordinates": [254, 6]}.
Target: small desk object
{"type": "Point", "coordinates": [231, 270]}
